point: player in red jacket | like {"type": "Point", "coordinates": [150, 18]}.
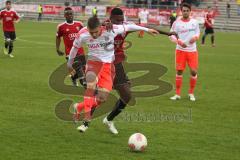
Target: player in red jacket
{"type": "Point", "coordinates": [8, 17]}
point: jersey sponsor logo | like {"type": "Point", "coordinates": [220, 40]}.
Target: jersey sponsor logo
{"type": "Point", "coordinates": [187, 30]}
{"type": "Point", "coordinates": [100, 45]}
{"type": "Point", "coordinates": [8, 18]}
{"type": "Point", "coordinates": [72, 36]}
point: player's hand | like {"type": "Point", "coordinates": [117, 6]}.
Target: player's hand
{"type": "Point", "coordinates": [173, 34]}
{"type": "Point", "coordinates": [60, 53]}
{"type": "Point", "coordinates": [71, 71]}
{"type": "Point", "coordinates": [108, 24]}
{"type": "Point", "coordinates": [184, 45]}
{"type": "Point", "coordinates": [181, 43]}
{"type": "Point", "coordinates": [193, 39]}
{"type": "Point", "coordinates": [153, 32]}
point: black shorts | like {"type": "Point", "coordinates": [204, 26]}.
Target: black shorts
{"type": "Point", "coordinates": [10, 35]}
{"type": "Point", "coordinates": [209, 31]}
{"type": "Point", "coordinates": [120, 76]}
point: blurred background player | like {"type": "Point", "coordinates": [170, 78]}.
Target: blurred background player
{"type": "Point", "coordinates": [100, 70]}
{"type": "Point", "coordinates": [186, 49]}
{"type": "Point", "coordinates": [8, 17]}
{"type": "Point", "coordinates": [68, 30]}
{"type": "Point", "coordinates": [208, 24]}
{"type": "Point", "coordinates": [40, 12]}
{"type": "Point", "coordinates": [172, 18]}
{"type": "Point", "coordinates": [121, 82]}
{"type": "Point", "coordinates": [143, 20]}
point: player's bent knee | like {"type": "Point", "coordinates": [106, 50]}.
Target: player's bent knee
{"type": "Point", "coordinates": [91, 77]}
{"type": "Point", "coordinates": [194, 72]}
{"type": "Point", "coordinates": [179, 72]}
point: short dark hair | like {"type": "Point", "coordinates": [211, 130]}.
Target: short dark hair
{"type": "Point", "coordinates": [67, 9]}
{"type": "Point", "coordinates": [8, 2]}
{"type": "Point", "coordinates": [93, 22]}
{"type": "Point", "coordinates": [117, 11]}
{"type": "Point", "coordinates": [186, 5]}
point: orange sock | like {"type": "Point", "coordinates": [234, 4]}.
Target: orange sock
{"type": "Point", "coordinates": [193, 81]}
{"type": "Point", "coordinates": [178, 84]}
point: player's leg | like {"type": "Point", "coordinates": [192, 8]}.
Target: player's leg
{"type": "Point", "coordinates": [212, 38]}
{"type": "Point", "coordinates": [122, 85]}
{"type": "Point", "coordinates": [141, 33]}
{"type": "Point", "coordinates": [180, 67]}
{"type": "Point", "coordinates": [79, 66]}
{"type": "Point", "coordinates": [125, 96]}
{"type": "Point", "coordinates": [89, 100]}
{"type": "Point", "coordinates": [10, 49]}
{"type": "Point", "coordinates": [101, 75]}
{"type": "Point", "coordinates": [193, 65]}
{"type": "Point", "coordinates": [6, 43]}
{"type": "Point", "coordinates": [204, 36]}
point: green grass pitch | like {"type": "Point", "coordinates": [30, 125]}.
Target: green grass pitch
{"type": "Point", "coordinates": [29, 128]}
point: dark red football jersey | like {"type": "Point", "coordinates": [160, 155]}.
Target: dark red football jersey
{"type": "Point", "coordinates": [8, 17]}
{"type": "Point", "coordinates": [69, 32]}
{"type": "Point", "coordinates": [208, 21]}
{"type": "Point", "coordinates": [119, 47]}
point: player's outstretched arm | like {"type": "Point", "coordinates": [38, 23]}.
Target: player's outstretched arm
{"type": "Point", "coordinates": [168, 33]}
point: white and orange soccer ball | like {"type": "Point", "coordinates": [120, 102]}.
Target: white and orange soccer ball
{"type": "Point", "coordinates": [137, 142]}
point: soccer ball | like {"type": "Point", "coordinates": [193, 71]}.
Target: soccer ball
{"type": "Point", "coordinates": [137, 142]}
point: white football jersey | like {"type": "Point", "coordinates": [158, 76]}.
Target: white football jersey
{"type": "Point", "coordinates": [143, 15]}
{"type": "Point", "coordinates": [102, 48]}
{"type": "Point", "coordinates": [186, 30]}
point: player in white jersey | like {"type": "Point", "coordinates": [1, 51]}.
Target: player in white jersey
{"type": "Point", "coordinates": [186, 50]}
{"type": "Point", "coordinates": [100, 69]}
{"type": "Point", "coordinates": [143, 20]}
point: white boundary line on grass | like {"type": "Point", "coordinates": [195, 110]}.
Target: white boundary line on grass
{"type": "Point", "coordinates": [33, 42]}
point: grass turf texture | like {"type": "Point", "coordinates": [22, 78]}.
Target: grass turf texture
{"type": "Point", "coordinates": [30, 130]}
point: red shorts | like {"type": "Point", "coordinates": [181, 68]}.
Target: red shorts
{"type": "Point", "coordinates": [183, 57]}
{"type": "Point", "coordinates": [105, 73]}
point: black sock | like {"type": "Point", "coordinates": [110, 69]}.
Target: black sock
{"type": "Point", "coordinates": [119, 106]}
{"type": "Point", "coordinates": [92, 110]}
{"type": "Point", "coordinates": [212, 39]}
{"type": "Point", "coordinates": [203, 39]}
{"type": "Point", "coordinates": [74, 77]}
{"type": "Point", "coordinates": [6, 45]}
{"type": "Point", "coordinates": [10, 49]}
{"type": "Point", "coordinates": [86, 123]}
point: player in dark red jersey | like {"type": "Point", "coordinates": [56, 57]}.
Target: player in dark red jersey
{"type": "Point", "coordinates": [8, 17]}
{"type": "Point", "coordinates": [68, 30]}
{"type": "Point", "coordinates": [121, 82]}
{"type": "Point", "coordinates": [208, 24]}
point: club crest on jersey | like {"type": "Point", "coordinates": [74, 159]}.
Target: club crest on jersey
{"type": "Point", "coordinates": [77, 28]}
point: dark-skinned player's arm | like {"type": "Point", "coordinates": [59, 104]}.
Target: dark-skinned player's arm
{"type": "Point", "coordinates": [58, 43]}
{"type": "Point", "coordinates": [176, 39]}
{"type": "Point", "coordinates": [168, 33]}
